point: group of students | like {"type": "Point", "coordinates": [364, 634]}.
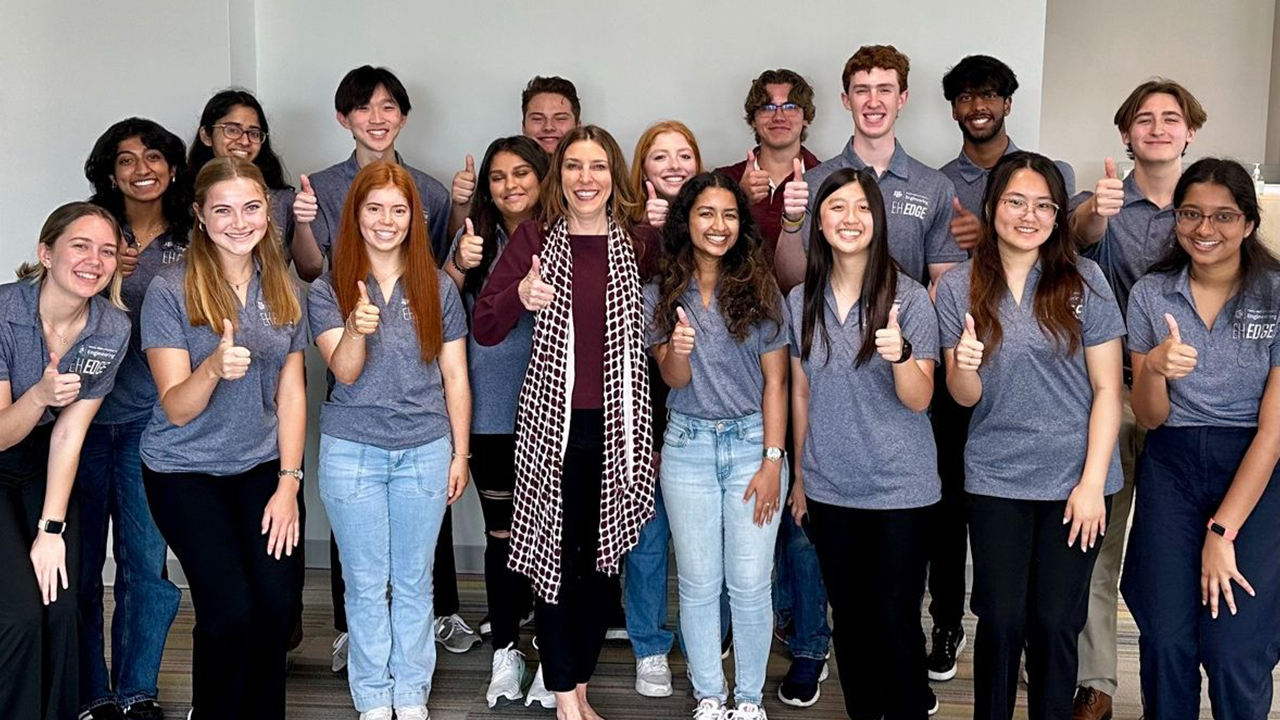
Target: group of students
{"type": "Point", "coordinates": [818, 380]}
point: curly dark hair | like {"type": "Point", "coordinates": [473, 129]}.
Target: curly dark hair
{"type": "Point", "coordinates": [748, 293]}
{"type": "Point", "coordinates": [101, 166]}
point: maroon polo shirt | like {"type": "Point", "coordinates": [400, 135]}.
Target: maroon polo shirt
{"type": "Point", "coordinates": [768, 212]}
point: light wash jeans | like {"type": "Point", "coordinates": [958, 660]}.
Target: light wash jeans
{"type": "Point", "coordinates": [706, 468]}
{"type": "Point", "coordinates": [386, 507]}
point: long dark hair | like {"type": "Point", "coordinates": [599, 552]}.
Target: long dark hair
{"type": "Point", "coordinates": [216, 109]}
{"type": "Point", "coordinates": [879, 280]}
{"type": "Point", "coordinates": [1256, 260]}
{"type": "Point", "coordinates": [100, 169]}
{"type": "Point", "coordinates": [747, 292]}
{"type": "Point", "coordinates": [486, 218]}
{"type": "Point", "coordinates": [1060, 287]}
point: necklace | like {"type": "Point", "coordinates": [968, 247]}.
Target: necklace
{"type": "Point", "coordinates": [63, 339]}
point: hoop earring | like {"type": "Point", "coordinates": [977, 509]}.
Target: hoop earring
{"type": "Point", "coordinates": [202, 227]}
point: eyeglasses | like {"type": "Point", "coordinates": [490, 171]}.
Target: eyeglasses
{"type": "Point", "coordinates": [233, 131]}
{"type": "Point", "coordinates": [1043, 209]}
{"type": "Point", "coordinates": [1189, 219]}
{"type": "Point", "coordinates": [787, 108]}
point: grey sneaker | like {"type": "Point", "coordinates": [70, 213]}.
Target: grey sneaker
{"type": "Point", "coordinates": [455, 634]}
{"type": "Point", "coordinates": [339, 659]}
{"type": "Point", "coordinates": [653, 676]}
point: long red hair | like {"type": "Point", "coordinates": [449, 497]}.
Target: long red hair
{"type": "Point", "coordinates": [351, 261]}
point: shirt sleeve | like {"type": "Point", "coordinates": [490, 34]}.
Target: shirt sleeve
{"type": "Point", "coordinates": [939, 246]}
{"type": "Point", "coordinates": [650, 297]}
{"type": "Point", "coordinates": [950, 309]}
{"type": "Point", "coordinates": [323, 311]}
{"type": "Point", "coordinates": [438, 207]}
{"type": "Point", "coordinates": [298, 336]}
{"type": "Point", "coordinates": [775, 335]}
{"type": "Point", "coordinates": [919, 321]}
{"type": "Point", "coordinates": [795, 312]}
{"type": "Point", "coordinates": [163, 319]}
{"type": "Point", "coordinates": [322, 227]}
{"type": "Point", "coordinates": [1142, 329]}
{"type": "Point", "coordinates": [1102, 319]}
{"type": "Point", "coordinates": [452, 315]}
{"type": "Point", "coordinates": [498, 309]}
{"type": "Point", "coordinates": [1068, 177]}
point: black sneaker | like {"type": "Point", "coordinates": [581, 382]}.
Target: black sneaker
{"type": "Point", "coordinates": [947, 644]}
{"type": "Point", "coordinates": [109, 711]}
{"type": "Point", "coordinates": [800, 687]}
{"type": "Point", "coordinates": [144, 710]}
{"type": "Point", "coordinates": [931, 701]}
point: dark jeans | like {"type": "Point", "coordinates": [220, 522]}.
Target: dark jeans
{"type": "Point", "coordinates": [243, 597]}
{"type": "Point", "coordinates": [493, 466]}
{"type": "Point", "coordinates": [1184, 474]}
{"type": "Point", "coordinates": [873, 562]}
{"type": "Point", "coordinates": [571, 631]}
{"type": "Point", "coordinates": [1029, 590]}
{"type": "Point", "coordinates": [949, 533]}
{"type": "Point", "coordinates": [799, 595]}
{"type": "Point", "coordinates": [110, 491]}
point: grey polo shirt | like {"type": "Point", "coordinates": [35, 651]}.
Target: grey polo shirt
{"type": "Point", "coordinates": [864, 448]}
{"type": "Point", "coordinates": [282, 213]}
{"type": "Point", "coordinates": [917, 200]}
{"type": "Point", "coordinates": [970, 179]}
{"type": "Point", "coordinates": [331, 186]}
{"type": "Point", "coordinates": [134, 394]}
{"type": "Point", "coordinates": [1030, 430]}
{"type": "Point", "coordinates": [397, 403]}
{"type": "Point", "coordinates": [237, 429]}
{"type": "Point", "coordinates": [1233, 359]}
{"type": "Point", "coordinates": [726, 379]}
{"type": "Point", "coordinates": [95, 355]}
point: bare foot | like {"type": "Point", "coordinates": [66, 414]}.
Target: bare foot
{"type": "Point", "coordinates": [588, 712]}
{"type": "Point", "coordinates": [569, 706]}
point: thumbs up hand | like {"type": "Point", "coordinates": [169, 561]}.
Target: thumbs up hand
{"type": "Point", "coordinates": [655, 208]}
{"type": "Point", "coordinates": [534, 293]}
{"type": "Point", "coordinates": [1172, 358]}
{"type": "Point", "coordinates": [229, 361]}
{"type": "Point", "coordinates": [128, 260]}
{"type": "Point", "coordinates": [464, 183]}
{"type": "Point", "coordinates": [56, 389]}
{"type": "Point", "coordinates": [889, 340]}
{"type": "Point", "coordinates": [966, 228]}
{"type": "Point", "coordinates": [795, 196]}
{"type": "Point", "coordinates": [305, 204]}
{"type": "Point", "coordinates": [969, 350]}
{"type": "Point", "coordinates": [363, 320]}
{"type": "Point", "coordinates": [682, 334]}
{"type": "Point", "coordinates": [1108, 194]}
{"type": "Point", "coordinates": [754, 182]}
{"type": "Point", "coordinates": [470, 248]}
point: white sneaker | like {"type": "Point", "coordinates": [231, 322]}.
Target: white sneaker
{"type": "Point", "coordinates": [413, 712]}
{"type": "Point", "coordinates": [746, 711]}
{"type": "Point", "coordinates": [653, 676]}
{"type": "Point", "coordinates": [709, 709]}
{"type": "Point", "coordinates": [382, 713]}
{"type": "Point", "coordinates": [455, 634]}
{"type": "Point", "coordinates": [538, 692]}
{"type": "Point", "coordinates": [507, 675]}
{"type": "Point", "coordinates": [339, 659]}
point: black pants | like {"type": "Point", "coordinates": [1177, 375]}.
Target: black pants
{"type": "Point", "coordinates": [39, 660]}
{"type": "Point", "coordinates": [873, 565]}
{"type": "Point", "coordinates": [1029, 590]}
{"type": "Point", "coordinates": [243, 597]}
{"type": "Point", "coordinates": [571, 632]}
{"type": "Point", "coordinates": [493, 465]}
{"type": "Point", "coordinates": [949, 534]}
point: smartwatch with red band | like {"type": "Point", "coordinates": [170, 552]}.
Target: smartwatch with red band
{"type": "Point", "coordinates": [1223, 530]}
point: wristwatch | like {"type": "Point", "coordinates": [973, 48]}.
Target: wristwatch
{"type": "Point", "coordinates": [295, 474]}
{"type": "Point", "coordinates": [906, 351]}
{"type": "Point", "coordinates": [773, 453]}
{"type": "Point", "coordinates": [53, 527]}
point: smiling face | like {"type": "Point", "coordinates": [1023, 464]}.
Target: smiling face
{"type": "Point", "coordinates": [980, 113]}
{"type": "Point", "coordinates": [586, 179]}
{"type": "Point", "coordinates": [547, 118]}
{"type": "Point", "coordinates": [1216, 239]}
{"type": "Point", "coordinates": [669, 163]}
{"type": "Point", "coordinates": [235, 215]}
{"type": "Point", "coordinates": [243, 117]}
{"type": "Point", "coordinates": [82, 260]}
{"type": "Point", "coordinates": [1159, 132]}
{"type": "Point", "coordinates": [375, 124]}
{"type": "Point", "coordinates": [385, 216]}
{"type": "Point", "coordinates": [713, 224]}
{"type": "Point", "coordinates": [846, 220]}
{"type": "Point", "coordinates": [875, 98]}
{"type": "Point", "coordinates": [1025, 212]}
{"type": "Point", "coordinates": [142, 173]}
{"type": "Point", "coordinates": [513, 183]}
{"type": "Point", "coordinates": [781, 128]}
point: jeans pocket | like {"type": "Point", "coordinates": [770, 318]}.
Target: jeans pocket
{"type": "Point", "coordinates": [431, 465]}
{"type": "Point", "coordinates": [675, 436]}
{"type": "Point", "coordinates": [341, 466]}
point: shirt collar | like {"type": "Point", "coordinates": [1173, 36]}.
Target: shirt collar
{"type": "Point", "coordinates": [25, 309]}
{"type": "Point", "coordinates": [1179, 283]}
{"type": "Point", "coordinates": [898, 164]}
{"type": "Point", "coordinates": [1133, 193]}
{"type": "Point", "coordinates": [351, 166]}
{"type": "Point", "coordinates": [970, 171]}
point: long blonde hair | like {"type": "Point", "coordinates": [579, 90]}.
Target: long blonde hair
{"type": "Point", "coordinates": [56, 225]}
{"type": "Point", "coordinates": [209, 295]}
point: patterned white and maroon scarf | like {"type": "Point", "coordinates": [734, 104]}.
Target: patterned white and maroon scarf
{"type": "Point", "coordinates": [542, 419]}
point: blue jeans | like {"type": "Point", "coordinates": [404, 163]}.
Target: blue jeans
{"type": "Point", "coordinates": [386, 508]}
{"type": "Point", "coordinates": [110, 490]}
{"type": "Point", "coordinates": [798, 592]}
{"type": "Point", "coordinates": [706, 468]}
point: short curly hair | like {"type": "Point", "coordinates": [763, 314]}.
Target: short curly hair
{"type": "Point", "coordinates": [877, 56]}
{"type": "Point", "coordinates": [801, 94]}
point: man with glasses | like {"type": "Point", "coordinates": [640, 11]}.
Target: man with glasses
{"type": "Point", "coordinates": [1126, 225]}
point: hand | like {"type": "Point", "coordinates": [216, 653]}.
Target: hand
{"type": "Point", "coordinates": [280, 519]}
{"type": "Point", "coordinates": [458, 475]}
{"type": "Point", "coordinates": [535, 294]}
{"type": "Point", "coordinates": [470, 247]}
{"type": "Point", "coordinates": [754, 182]}
{"type": "Point", "coordinates": [1108, 194]}
{"type": "Point", "coordinates": [464, 183]}
{"type": "Point", "coordinates": [364, 317]}
{"type": "Point", "coordinates": [1172, 358]}
{"type": "Point", "coordinates": [766, 486]}
{"type": "Point", "coordinates": [49, 560]}
{"type": "Point", "coordinates": [1087, 514]}
{"type": "Point", "coordinates": [795, 196]}
{"type": "Point", "coordinates": [305, 204]}
{"type": "Point", "coordinates": [56, 389]}
{"type": "Point", "coordinates": [128, 260]}
{"type": "Point", "coordinates": [229, 361]}
{"type": "Point", "coordinates": [799, 503]}
{"type": "Point", "coordinates": [969, 350]}
{"type": "Point", "coordinates": [1217, 570]}
{"type": "Point", "coordinates": [889, 341]}
{"type": "Point", "coordinates": [966, 228]}
{"type": "Point", "coordinates": [655, 208]}
{"type": "Point", "coordinates": [682, 335]}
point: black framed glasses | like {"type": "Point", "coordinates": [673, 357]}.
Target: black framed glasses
{"type": "Point", "coordinates": [1190, 219]}
{"type": "Point", "coordinates": [234, 131]}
